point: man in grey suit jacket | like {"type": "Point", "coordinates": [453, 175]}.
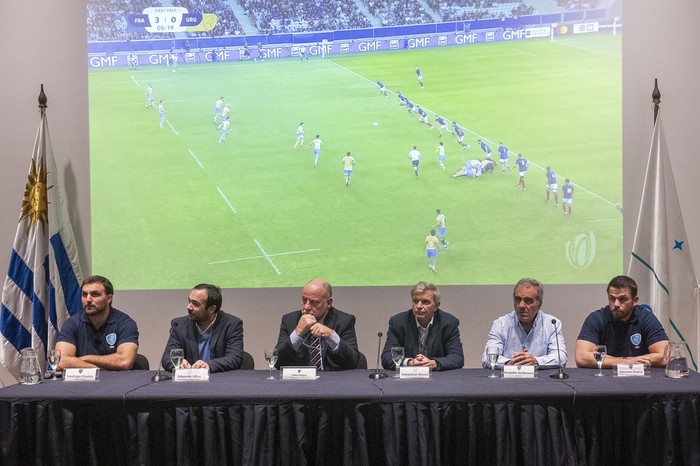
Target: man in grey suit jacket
{"type": "Point", "coordinates": [318, 318]}
{"type": "Point", "coordinates": [429, 335]}
{"type": "Point", "coordinates": [210, 337]}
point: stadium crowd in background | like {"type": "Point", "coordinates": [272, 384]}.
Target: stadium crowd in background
{"type": "Point", "coordinates": [291, 16]}
{"type": "Point", "coordinates": [227, 24]}
{"type": "Point", "coordinates": [577, 4]}
{"type": "Point", "coordinates": [466, 10]}
{"type": "Point", "coordinates": [395, 13]}
{"type": "Point", "coordinates": [106, 20]}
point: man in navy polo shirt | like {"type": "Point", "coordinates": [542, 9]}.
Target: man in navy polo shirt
{"type": "Point", "coordinates": [631, 333]}
{"type": "Point", "coordinates": [99, 336]}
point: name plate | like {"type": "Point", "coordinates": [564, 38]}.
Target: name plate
{"type": "Point", "coordinates": [414, 372]}
{"type": "Point", "coordinates": [91, 374]}
{"type": "Point", "coordinates": [191, 375]}
{"type": "Point", "coordinates": [299, 373]}
{"type": "Point", "coordinates": [631, 370]}
{"type": "Point", "coordinates": [519, 372]}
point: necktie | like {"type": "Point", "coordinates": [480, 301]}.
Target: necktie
{"type": "Point", "coordinates": [316, 354]}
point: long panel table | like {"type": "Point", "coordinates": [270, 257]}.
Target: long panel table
{"type": "Point", "coordinates": [458, 417]}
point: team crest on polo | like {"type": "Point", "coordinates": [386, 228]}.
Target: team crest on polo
{"type": "Point", "coordinates": [111, 339]}
{"type": "Point", "coordinates": [636, 339]}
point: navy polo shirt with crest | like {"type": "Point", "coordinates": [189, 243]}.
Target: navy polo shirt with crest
{"type": "Point", "coordinates": [118, 329]}
{"type": "Point", "coordinates": [623, 339]}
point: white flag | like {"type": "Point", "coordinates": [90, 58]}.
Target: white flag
{"type": "Point", "coordinates": [42, 288]}
{"type": "Point", "coordinates": [661, 263]}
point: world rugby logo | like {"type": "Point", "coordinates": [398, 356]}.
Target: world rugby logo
{"type": "Point", "coordinates": [580, 251]}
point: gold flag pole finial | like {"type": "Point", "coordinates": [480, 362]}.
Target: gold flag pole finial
{"type": "Point", "coordinates": [656, 99]}
{"type": "Point", "coordinates": [42, 100]}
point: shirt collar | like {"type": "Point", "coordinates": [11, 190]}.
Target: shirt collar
{"type": "Point", "coordinates": [420, 327]}
{"type": "Point", "coordinates": [110, 317]}
{"type": "Point", "coordinates": [634, 316]}
{"type": "Point", "coordinates": [535, 323]}
{"type": "Point", "coordinates": [202, 332]}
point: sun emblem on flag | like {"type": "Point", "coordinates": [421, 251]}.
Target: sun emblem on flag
{"type": "Point", "coordinates": [35, 203]}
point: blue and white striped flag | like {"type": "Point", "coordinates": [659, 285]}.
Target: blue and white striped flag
{"type": "Point", "coordinates": [42, 288]}
{"type": "Point", "coordinates": [661, 263]}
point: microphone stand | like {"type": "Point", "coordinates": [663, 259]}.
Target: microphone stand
{"type": "Point", "coordinates": [376, 375]}
{"type": "Point", "coordinates": [160, 377]}
{"type": "Point", "coordinates": [560, 374]}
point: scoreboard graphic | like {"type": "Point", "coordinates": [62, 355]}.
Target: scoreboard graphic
{"type": "Point", "coordinates": [170, 19]}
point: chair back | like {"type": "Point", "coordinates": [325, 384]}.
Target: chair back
{"type": "Point", "coordinates": [140, 363]}
{"type": "Point", "coordinates": [248, 363]}
{"type": "Point", "coordinates": [361, 362]}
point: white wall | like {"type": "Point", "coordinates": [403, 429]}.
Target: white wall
{"type": "Point", "coordinates": [48, 46]}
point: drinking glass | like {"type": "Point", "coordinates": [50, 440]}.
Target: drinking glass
{"type": "Point", "coordinates": [599, 353]}
{"type": "Point", "coordinates": [176, 357]}
{"type": "Point", "coordinates": [271, 358]}
{"type": "Point", "coordinates": [397, 356]}
{"type": "Point", "coordinates": [492, 352]}
{"type": "Point", "coordinates": [54, 358]}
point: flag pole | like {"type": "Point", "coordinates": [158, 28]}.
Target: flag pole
{"type": "Point", "coordinates": [656, 99]}
{"type": "Point", "coordinates": [656, 105]}
{"type": "Point", "coordinates": [42, 101]}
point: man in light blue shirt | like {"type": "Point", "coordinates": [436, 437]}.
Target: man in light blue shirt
{"type": "Point", "coordinates": [527, 336]}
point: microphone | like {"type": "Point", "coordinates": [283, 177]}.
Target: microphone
{"type": "Point", "coordinates": [560, 374]}
{"type": "Point", "coordinates": [376, 375]}
{"type": "Point", "coordinates": [160, 377]}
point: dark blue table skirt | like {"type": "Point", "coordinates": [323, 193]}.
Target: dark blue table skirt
{"type": "Point", "coordinates": [458, 417]}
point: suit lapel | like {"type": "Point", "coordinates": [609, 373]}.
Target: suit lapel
{"type": "Point", "coordinates": [330, 319]}
{"type": "Point", "coordinates": [411, 346]}
{"type": "Point", "coordinates": [194, 334]}
{"type": "Point", "coordinates": [215, 334]}
{"type": "Point", "coordinates": [329, 322]}
{"type": "Point", "coordinates": [431, 345]}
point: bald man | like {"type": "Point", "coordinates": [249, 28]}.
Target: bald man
{"type": "Point", "coordinates": [317, 318]}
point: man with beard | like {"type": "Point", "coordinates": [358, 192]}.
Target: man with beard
{"type": "Point", "coordinates": [631, 333]}
{"type": "Point", "coordinates": [99, 336]}
{"type": "Point", "coordinates": [527, 336]}
{"type": "Point", "coordinates": [209, 337]}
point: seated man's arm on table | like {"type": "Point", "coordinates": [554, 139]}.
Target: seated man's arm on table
{"type": "Point", "coordinates": [454, 354]}
{"type": "Point", "coordinates": [584, 356]}
{"type": "Point", "coordinates": [122, 360]}
{"type": "Point", "coordinates": [497, 338]}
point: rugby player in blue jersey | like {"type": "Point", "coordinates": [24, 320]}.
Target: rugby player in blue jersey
{"type": "Point", "coordinates": [521, 162]}
{"type": "Point", "coordinates": [552, 187]}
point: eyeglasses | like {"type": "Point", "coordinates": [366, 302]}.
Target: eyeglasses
{"type": "Point", "coordinates": [527, 300]}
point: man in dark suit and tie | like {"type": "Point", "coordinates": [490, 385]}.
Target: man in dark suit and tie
{"type": "Point", "coordinates": [429, 335]}
{"type": "Point", "coordinates": [210, 337]}
{"type": "Point", "coordinates": [318, 328]}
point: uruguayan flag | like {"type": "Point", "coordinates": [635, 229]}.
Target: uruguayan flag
{"type": "Point", "coordinates": [42, 288]}
{"type": "Point", "coordinates": [661, 263]}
